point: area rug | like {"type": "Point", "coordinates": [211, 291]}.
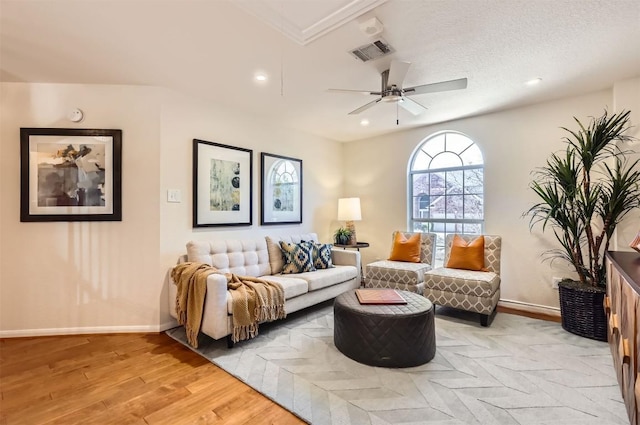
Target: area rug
{"type": "Point", "coordinates": [519, 371]}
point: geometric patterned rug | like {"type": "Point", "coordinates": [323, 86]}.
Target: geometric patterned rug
{"type": "Point", "coordinates": [518, 371]}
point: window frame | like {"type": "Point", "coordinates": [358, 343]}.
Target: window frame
{"type": "Point", "coordinates": [458, 223]}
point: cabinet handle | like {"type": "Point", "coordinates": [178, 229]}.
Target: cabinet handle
{"type": "Point", "coordinates": [613, 323]}
{"type": "Point", "coordinates": [624, 351]}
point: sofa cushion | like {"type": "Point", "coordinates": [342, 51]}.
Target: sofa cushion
{"type": "Point", "coordinates": [243, 257]}
{"type": "Point", "coordinates": [327, 277]}
{"type": "Point", "coordinates": [276, 257]}
{"type": "Point", "coordinates": [397, 272]}
{"type": "Point", "coordinates": [467, 282]}
{"type": "Point", "coordinates": [292, 286]}
{"type": "Point", "coordinates": [299, 257]}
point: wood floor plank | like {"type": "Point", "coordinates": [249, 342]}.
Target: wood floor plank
{"type": "Point", "coordinates": [122, 379]}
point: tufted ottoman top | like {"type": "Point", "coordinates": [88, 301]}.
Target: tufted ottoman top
{"type": "Point", "coordinates": [416, 305]}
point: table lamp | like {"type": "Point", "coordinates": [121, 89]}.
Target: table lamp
{"type": "Point", "coordinates": [349, 211]}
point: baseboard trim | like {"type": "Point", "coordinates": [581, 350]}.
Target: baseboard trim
{"type": "Point", "coordinates": [21, 333]}
{"type": "Point", "coordinates": [530, 310]}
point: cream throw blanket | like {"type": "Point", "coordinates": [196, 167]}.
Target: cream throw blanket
{"type": "Point", "coordinates": [253, 300]}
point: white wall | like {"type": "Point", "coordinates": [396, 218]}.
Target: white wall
{"type": "Point", "coordinates": [514, 142]}
{"type": "Point", "coordinates": [110, 276]}
{"type": "Point", "coordinates": [71, 277]}
{"type": "Point", "coordinates": [626, 97]}
{"type": "Point", "coordinates": [60, 278]}
{"type": "Point", "coordinates": [184, 119]}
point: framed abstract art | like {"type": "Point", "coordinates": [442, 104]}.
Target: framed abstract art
{"type": "Point", "coordinates": [222, 185]}
{"type": "Point", "coordinates": [70, 174]}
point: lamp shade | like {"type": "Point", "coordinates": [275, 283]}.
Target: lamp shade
{"type": "Point", "coordinates": [349, 209]}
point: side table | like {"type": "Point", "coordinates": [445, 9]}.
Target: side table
{"type": "Point", "coordinates": [357, 246]}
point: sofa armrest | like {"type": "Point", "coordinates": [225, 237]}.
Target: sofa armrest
{"type": "Point", "coordinates": [215, 318]}
{"type": "Point", "coordinates": [343, 257]}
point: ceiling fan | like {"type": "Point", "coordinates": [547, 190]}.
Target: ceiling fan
{"type": "Point", "coordinates": [392, 90]}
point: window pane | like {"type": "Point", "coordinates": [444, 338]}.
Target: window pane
{"type": "Point", "coordinates": [454, 182]}
{"type": "Point", "coordinates": [420, 184]}
{"type": "Point", "coordinates": [436, 184]}
{"type": "Point", "coordinates": [473, 228]}
{"type": "Point", "coordinates": [472, 156]}
{"type": "Point", "coordinates": [421, 161]}
{"type": "Point", "coordinates": [473, 181]}
{"type": "Point", "coordinates": [473, 207]}
{"type": "Point", "coordinates": [434, 146]}
{"type": "Point", "coordinates": [437, 207]}
{"type": "Point", "coordinates": [457, 142]}
{"type": "Point", "coordinates": [455, 207]}
{"type": "Point", "coordinates": [421, 206]}
{"type": "Point", "coordinates": [445, 160]}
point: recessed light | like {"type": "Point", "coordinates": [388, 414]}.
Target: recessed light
{"type": "Point", "coordinates": [364, 122]}
{"type": "Point", "coordinates": [260, 77]}
{"type": "Point", "coordinates": [534, 81]}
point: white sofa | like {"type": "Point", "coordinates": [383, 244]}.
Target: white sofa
{"type": "Point", "coordinates": [262, 258]}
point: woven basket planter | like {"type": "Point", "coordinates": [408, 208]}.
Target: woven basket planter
{"type": "Point", "coordinates": [582, 310]}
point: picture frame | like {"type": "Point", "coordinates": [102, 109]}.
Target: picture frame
{"type": "Point", "coordinates": [70, 174]}
{"type": "Point", "coordinates": [222, 185]}
{"type": "Point", "coordinates": [281, 194]}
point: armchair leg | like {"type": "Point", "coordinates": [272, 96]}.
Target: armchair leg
{"type": "Point", "coordinates": [229, 342]}
{"type": "Point", "coordinates": [487, 319]}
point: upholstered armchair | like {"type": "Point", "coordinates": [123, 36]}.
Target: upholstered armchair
{"type": "Point", "coordinates": [471, 290]}
{"type": "Point", "coordinates": [404, 275]}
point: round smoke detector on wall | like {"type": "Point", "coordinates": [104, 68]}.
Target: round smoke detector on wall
{"type": "Point", "coordinates": [75, 115]}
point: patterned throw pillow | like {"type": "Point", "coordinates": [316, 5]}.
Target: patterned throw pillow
{"type": "Point", "coordinates": [322, 256]}
{"type": "Point", "coordinates": [298, 257]}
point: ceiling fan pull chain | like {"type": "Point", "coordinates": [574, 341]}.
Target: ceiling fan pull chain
{"type": "Point", "coordinates": [397, 115]}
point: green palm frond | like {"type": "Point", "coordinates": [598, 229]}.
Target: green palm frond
{"type": "Point", "coordinates": [578, 187]}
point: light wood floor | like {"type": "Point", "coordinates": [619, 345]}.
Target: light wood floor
{"type": "Point", "coordinates": [126, 379]}
{"type": "Point", "coordinates": [122, 379]}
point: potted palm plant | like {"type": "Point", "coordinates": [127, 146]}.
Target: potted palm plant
{"type": "Point", "coordinates": [584, 192]}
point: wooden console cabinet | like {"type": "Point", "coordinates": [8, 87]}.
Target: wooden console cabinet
{"type": "Point", "coordinates": [622, 305]}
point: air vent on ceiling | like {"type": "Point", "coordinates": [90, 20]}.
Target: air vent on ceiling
{"type": "Point", "coordinates": [373, 50]}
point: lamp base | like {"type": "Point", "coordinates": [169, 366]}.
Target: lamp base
{"type": "Point", "coordinates": [352, 228]}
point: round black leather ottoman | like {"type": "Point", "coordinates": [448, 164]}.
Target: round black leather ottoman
{"type": "Point", "coordinates": [400, 335]}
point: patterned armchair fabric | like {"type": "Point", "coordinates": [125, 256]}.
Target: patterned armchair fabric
{"type": "Point", "coordinates": [400, 274]}
{"type": "Point", "coordinates": [475, 291]}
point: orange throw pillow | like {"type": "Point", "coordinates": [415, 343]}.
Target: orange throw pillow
{"type": "Point", "coordinates": [467, 256]}
{"type": "Point", "coordinates": [406, 249]}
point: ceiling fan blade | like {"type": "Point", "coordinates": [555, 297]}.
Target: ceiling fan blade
{"type": "Point", "coordinates": [377, 93]}
{"type": "Point", "coordinates": [412, 106]}
{"type": "Point", "coordinates": [397, 72]}
{"type": "Point", "coordinates": [437, 87]}
{"type": "Point", "coordinates": [364, 107]}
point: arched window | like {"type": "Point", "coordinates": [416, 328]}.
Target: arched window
{"type": "Point", "coordinates": [446, 188]}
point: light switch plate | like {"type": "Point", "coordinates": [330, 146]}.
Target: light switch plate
{"type": "Point", "coordinates": [174, 195]}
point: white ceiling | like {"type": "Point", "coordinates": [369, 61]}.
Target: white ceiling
{"type": "Point", "coordinates": [212, 49]}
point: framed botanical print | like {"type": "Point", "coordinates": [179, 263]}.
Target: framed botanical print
{"type": "Point", "coordinates": [281, 195]}
{"type": "Point", "coordinates": [222, 185]}
{"type": "Point", "coordinates": [70, 174]}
